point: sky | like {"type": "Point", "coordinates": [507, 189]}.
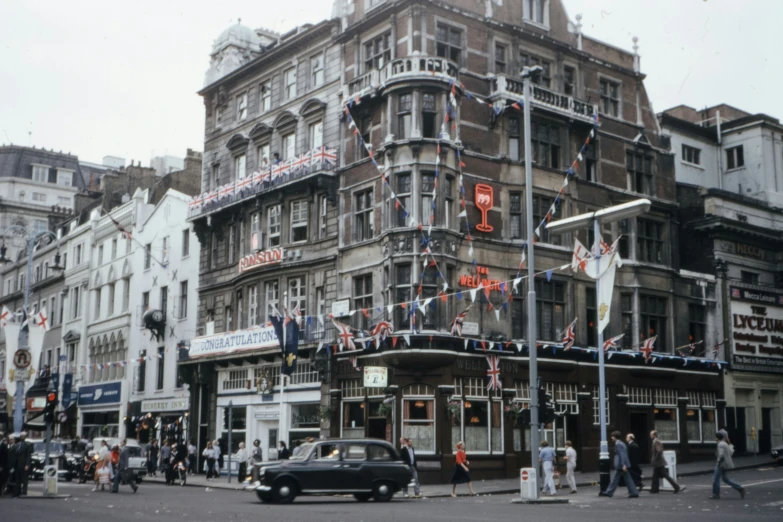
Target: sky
{"type": "Point", "coordinates": [97, 77]}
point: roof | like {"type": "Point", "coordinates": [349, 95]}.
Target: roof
{"type": "Point", "coordinates": [16, 161]}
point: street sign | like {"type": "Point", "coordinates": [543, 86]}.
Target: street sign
{"type": "Point", "coordinates": [62, 417]}
{"type": "Point", "coordinates": [525, 474]}
{"type": "Point", "coordinates": [21, 376]}
{"type": "Point", "coordinates": [22, 359]}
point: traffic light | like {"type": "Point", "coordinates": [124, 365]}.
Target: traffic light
{"type": "Point", "coordinates": [546, 409]}
{"type": "Point", "coordinates": [51, 406]}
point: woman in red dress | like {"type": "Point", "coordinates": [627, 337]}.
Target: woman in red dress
{"type": "Point", "coordinates": [461, 472]}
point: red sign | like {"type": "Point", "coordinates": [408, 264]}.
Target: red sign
{"type": "Point", "coordinates": [473, 281]}
{"type": "Point", "coordinates": [524, 475]}
{"type": "Point", "coordinates": [484, 199]}
{"type": "Point", "coordinates": [262, 258]}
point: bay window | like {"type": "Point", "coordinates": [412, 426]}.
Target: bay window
{"type": "Point", "coordinates": [429, 116]}
{"type": "Point", "coordinates": [404, 117]}
{"type": "Point", "coordinates": [364, 216]}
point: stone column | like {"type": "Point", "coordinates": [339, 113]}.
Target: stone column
{"type": "Point", "coordinates": [683, 446]}
{"type": "Point", "coordinates": [587, 449]}
{"type": "Point", "coordinates": [720, 405]}
{"type": "Point", "coordinates": [622, 421]}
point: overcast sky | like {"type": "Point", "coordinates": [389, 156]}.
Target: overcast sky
{"type": "Point", "coordinates": [120, 78]}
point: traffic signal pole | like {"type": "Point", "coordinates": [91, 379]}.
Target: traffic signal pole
{"type": "Point", "coordinates": [51, 405]}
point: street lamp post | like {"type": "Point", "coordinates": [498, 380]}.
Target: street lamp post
{"type": "Point", "coordinates": [580, 222]}
{"type": "Point", "coordinates": [30, 238]}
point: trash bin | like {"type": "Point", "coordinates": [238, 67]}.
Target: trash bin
{"type": "Point", "coordinates": [671, 465]}
{"type": "Point", "coordinates": [50, 480]}
{"type": "Point", "coordinates": [528, 483]}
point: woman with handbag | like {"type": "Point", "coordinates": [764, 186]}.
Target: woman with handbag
{"type": "Point", "coordinates": [724, 463]}
{"type": "Point", "coordinates": [461, 472]}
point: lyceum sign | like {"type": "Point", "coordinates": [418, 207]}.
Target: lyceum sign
{"type": "Point", "coordinates": [757, 330]}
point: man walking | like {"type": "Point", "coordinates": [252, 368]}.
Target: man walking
{"type": "Point", "coordinates": [165, 457]}
{"type": "Point", "coordinates": [23, 462]}
{"type": "Point", "coordinates": [634, 457]}
{"type": "Point", "coordinates": [621, 465]}
{"type": "Point", "coordinates": [9, 465]}
{"type": "Point", "coordinates": [660, 471]}
{"type": "Point", "coordinates": [123, 471]}
{"type": "Point", "coordinates": [570, 465]}
{"type": "Point", "coordinates": [546, 457]}
{"type": "Point", "coordinates": [409, 457]}
{"type": "Point", "coordinates": [724, 463]}
{"type": "Point", "coordinates": [3, 463]}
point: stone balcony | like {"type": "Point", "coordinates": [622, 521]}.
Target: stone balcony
{"type": "Point", "coordinates": [401, 69]}
{"type": "Point", "coordinates": [508, 88]}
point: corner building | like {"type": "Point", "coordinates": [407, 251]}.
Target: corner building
{"type": "Point", "coordinates": [397, 64]}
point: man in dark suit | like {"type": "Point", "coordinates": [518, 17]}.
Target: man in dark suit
{"type": "Point", "coordinates": [621, 465]}
{"type": "Point", "coordinates": [22, 455]}
{"type": "Point", "coordinates": [122, 470]}
{"type": "Point", "coordinates": [409, 457]}
{"type": "Point", "coordinates": [634, 457]}
{"type": "Point", "coordinates": [3, 463]}
{"type": "Point", "coordinates": [660, 471]}
{"type": "Point", "coordinates": [9, 465]}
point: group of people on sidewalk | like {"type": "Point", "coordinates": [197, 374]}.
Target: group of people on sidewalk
{"type": "Point", "coordinates": [15, 464]}
{"type": "Point", "coordinates": [112, 467]}
{"type": "Point", "coordinates": [165, 458]}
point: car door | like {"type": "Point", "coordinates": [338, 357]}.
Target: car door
{"type": "Point", "coordinates": [323, 470]}
{"type": "Point", "coordinates": [354, 467]}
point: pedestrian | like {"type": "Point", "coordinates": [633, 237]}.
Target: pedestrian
{"type": "Point", "coordinates": [621, 465]}
{"type": "Point", "coordinates": [209, 454]}
{"type": "Point", "coordinates": [3, 462]}
{"type": "Point", "coordinates": [23, 463]}
{"type": "Point", "coordinates": [409, 457]}
{"type": "Point", "coordinates": [9, 464]}
{"type": "Point", "coordinates": [115, 458]}
{"type": "Point", "coordinates": [256, 459]}
{"type": "Point", "coordinates": [283, 453]}
{"type": "Point", "coordinates": [724, 462]}
{"type": "Point", "coordinates": [165, 457]}
{"type": "Point", "coordinates": [192, 457]}
{"type": "Point", "coordinates": [634, 457]}
{"type": "Point", "coordinates": [570, 455]}
{"type": "Point", "coordinates": [461, 473]}
{"type": "Point", "coordinates": [103, 472]}
{"type": "Point", "coordinates": [546, 457]}
{"type": "Point", "coordinates": [242, 457]}
{"type": "Point", "coordinates": [122, 473]}
{"type": "Point", "coordinates": [153, 452]}
{"type": "Point", "coordinates": [660, 471]}
{"type": "Point", "coordinates": [218, 455]}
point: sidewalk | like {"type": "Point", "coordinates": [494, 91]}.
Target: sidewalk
{"type": "Point", "coordinates": [501, 486]}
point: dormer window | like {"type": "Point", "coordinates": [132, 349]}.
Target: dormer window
{"type": "Point", "coordinates": [41, 173]}
{"type": "Point", "coordinates": [536, 11]}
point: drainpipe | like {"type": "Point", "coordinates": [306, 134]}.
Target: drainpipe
{"type": "Point", "coordinates": [720, 153]}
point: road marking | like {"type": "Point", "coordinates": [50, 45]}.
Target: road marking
{"type": "Point", "coordinates": [763, 482]}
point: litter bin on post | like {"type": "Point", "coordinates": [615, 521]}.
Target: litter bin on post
{"type": "Point", "coordinates": [528, 483]}
{"type": "Point", "coordinates": [671, 466]}
{"type": "Point", "coordinates": [50, 480]}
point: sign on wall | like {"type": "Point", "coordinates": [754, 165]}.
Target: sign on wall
{"type": "Point", "coordinates": [229, 342]}
{"type": "Point", "coordinates": [484, 199]}
{"type": "Point", "coordinates": [481, 278]}
{"type": "Point", "coordinates": [376, 377]}
{"type": "Point", "coordinates": [154, 405]}
{"type": "Point", "coordinates": [96, 394]}
{"type": "Point", "coordinates": [756, 330]}
{"type": "Point", "coordinates": [261, 258]}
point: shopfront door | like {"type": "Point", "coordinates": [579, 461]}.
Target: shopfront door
{"type": "Point", "coordinates": [266, 432]}
{"type": "Point", "coordinates": [638, 424]}
{"type": "Point", "coordinates": [765, 434]}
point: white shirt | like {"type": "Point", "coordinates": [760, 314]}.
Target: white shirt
{"type": "Point", "coordinates": [191, 449]}
{"type": "Point", "coordinates": [209, 453]}
{"type": "Point", "coordinates": [410, 452]}
{"type": "Point", "coordinates": [571, 454]}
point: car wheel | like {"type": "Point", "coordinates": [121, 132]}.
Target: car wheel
{"type": "Point", "coordinates": [383, 492]}
{"type": "Point", "coordinates": [362, 497]}
{"type": "Point", "coordinates": [263, 498]}
{"type": "Point", "coordinates": [284, 491]}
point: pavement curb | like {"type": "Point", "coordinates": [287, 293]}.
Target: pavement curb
{"type": "Point", "coordinates": [540, 501]}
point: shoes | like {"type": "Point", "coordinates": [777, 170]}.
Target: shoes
{"type": "Point", "coordinates": [680, 489]}
{"type": "Point", "coordinates": [742, 492]}
{"type": "Point", "coordinates": [417, 495]}
{"type": "Point", "coordinates": [95, 488]}
{"type": "Point", "coordinates": [633, 496]}
{"type": "Point", "coordinates": [573, 491]}
{"type": "Point", "coordinates": [603, 494]}
{"type": "Point", "coordinates": [713, 497]}
{"type": "Point", "coordinates": [405, 495]}
{"type": "Point", "coordinates": [135, 489]}
{"type": "Point", "coordinates": [114, 491]}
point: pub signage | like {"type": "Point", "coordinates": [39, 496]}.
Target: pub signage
{"type": "Point", "coordinates": [757, 330]}
{"type": "Point", "coordinates": [261, 258]}
{"type": "Point", "coordinates": [480, 279]}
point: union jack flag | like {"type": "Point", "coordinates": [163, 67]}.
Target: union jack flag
{"type": "Point", "coordinates": [493, 372]}
{"type": "Point", "coordinates": [226, 190]}
{"type": "Point", "coordinates": [286, 170]}
{"type": "Point", "coordinates": [261, 176]}
{"type": "Point", "coordinates": [456, 324]}
{"type": "Point", "coordinates": [243, 184]}
{"type": "Point", "coordinates": [324, 155]}
{"type": "Point", "coordinates": [209, 196]}
{"type": "Point", "coordinates": [344, 335]}
{"type": "Point", "coordinates": [612, 343]}
{"type": "Point", "coordinates": [5, 316]}
{"type": "Point", "coordinates": [195, 202]}
{"type": "Point", "coordinates": [277, 171]}
{"type": "Point", "coordinates": [647, 347]}
{"type": "Point", "coordinates": [382, 329]}
{"type": "Point", "coordinates": [570, 336]}
{"type": "Point", "coordinates": [300, 162]}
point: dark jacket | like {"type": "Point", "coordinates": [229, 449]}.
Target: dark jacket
{"type": "Point", "coordinates": [634, 454]}
{"type": "Point", "coordinates": [23, 454]}
{"type": "Point", "coordinates": [621, 455]}
{"type": "Point", "coordinates": [284, 454]}
{"type": "Point", "coordinates": [406, 453]}
{"type": "Point", "coordinates": [181, 455]}
{"type": "Point", "coordinates": [656, 455]}
{"type": "Point", "coordinates": [3, 461]}
{"type": "Point", "coordinates": [124, 458]}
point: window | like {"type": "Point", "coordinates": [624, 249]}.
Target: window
{"type": "Point", "coordinates": [114, 249]}
{"type": "Point", "coordinates": [592, 316]}
{"type": "Point", "coordinates": [514, 142]}
{"type": "Point", "coordinates": [186, 242]}
{"type": "Point", "coordinates": [298, 221]}
{"type": "Point", "coordinates": [545, 78]}
{"type": "Point", "coordinates": [231, 244]}
{"type": "Point", "coordinates": [353, 419]}
{"type": "Point", "coordinates": [63, 201]}
{"type": "Point", "coordinates": [112, 288]}
{"type": "Point", "coordinates": [418, 416]}
{"type": "Point", "coordinates": [545, 144]}
{"type": "Point", "coordinates": [262, 156]}
{"type": "Point", "coordinates": [147, 256]}
{"type": "Point", "coordinates": [53, 311]}
{"type": "Point", "coordinates": [377, 52]}
{"type": "Point", "coordinates": [40, 174]}
{"type": "Point", "coordinates": [164, 301]}
{"type": "Point", "coordinates": [317, 70]}
{"type": "Point", "coordinates": [448, 193]}
{"type": "Point", "coordinates": [402, 295]}
{"type": "Point", "coordinates": [649, 241]}
{"type": "Point", "coordinates": [591, 160]}
{"type": "Point", "coordinates": [448, 42]}
{"type": "Point", "coordinates": [242, 106]}
{"type": "Point", "coordinates": [542, 205]}
{"type": "Point", "coordinates": [697, 323]}
{"type": "Point", "coordinates": [534, 10]}
{"type": "Point", "coordinates": [289, 146]}
{"type": "Point", "coordinates": [266, 96]}
{"type": "Point", "coordinates": [39, 196]}
{"type": "Point", "coordinates": [550, 305]}
{"type": "Point", "coordinates": [569, 80]}
{"type": "Point", "coordinates": [749, 278]}
{"type": "Point", "coordinates": [272, 293]}
{"type": "Point", "coordinates": [735, 157]}
{"type": "Point", "coordinates": [290, 83]}
{"type": "Point", "coordinates": [100, 255]}
{"type": "Point", "coordinates": [215, 176]}
{"type": "Point", "coordinates": [75, 308]}
{"type": "Point", "coordinates": [161, 366]}
{"type": "Point", "coordinates": [362, 301]}
{"type": "Point", "coordinates": [166, 243]}
{"type": "Point", "coordinates": [126, 294]}
{"type": "Point", "coordinates": [322, 216]}
{"type": "Point", "coordinates": [213, 250]}
{"type": "Point", "coordinates": [240, 164]}
{"type": "Point", "coordinates": [427, 187]}
{"type": "Point", "coordinates": [316, 135]}
{"type": "Point", "coordinates": [597, 404]}
{"type": "Point", "coordinates": [691, 154]}
{"type": "Point", "coordinates": [145, 301]}
{"type": "Point", "coordinates": [429, 282]}
{"type": "Point", "coordinates": [665, 415]}
{"type": "Point", "coordinates": [500, 58]}
{"type": "Point", "coordinates": [183, 300]}
{"type": "Point", "coordinates": [218, 116]}
{"type": "Point", "coordinates": [365, 129]}
{"type": "Point", "coordinates": [97, 311]}
{"type": "Point", "coordinates": [142, 370]}
{"type": "Point", "coordinates": [479, 421]}
{"type": "Point", "coordinates": [404, 197]}
{"type": "Point", "coordinates": [610, 97]}
{"type": "Point", "coordinates": [626, 301]}
{"type": "Point", "coordinates": [252, 306]}
{"type": "Point", "coordinates": [640, 176]}
{"type": "Point", "coordinates": [273, 225]}
{"type": "Point", "coordinates": [429, 116]}
{"type": "Point", "coordinates": [364, 215]}
{"type": "Point", "coordinates": [404, 118]}
{"type": "Point", "coordinates": [653, 320]}
{"type": "Point", "coordinates": [297, 292]}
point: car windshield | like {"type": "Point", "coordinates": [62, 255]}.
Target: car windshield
{"type": "Point", "coordinates": [54, 447]}
{"type": "Point", "coordinates": [303, 451]}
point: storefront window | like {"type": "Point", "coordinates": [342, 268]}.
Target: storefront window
{"type": "Point", "coordinates": [693, 425]}
{"type": "Point", "coordinates": [480, 424]}
{"type": "Point", "coordinates": [353, 419]}
{"type": "Point", "coordinates": [418, 416]}
{"type": "Point", "coordinates": [666, 424]}
{"type": "Point", "coordinates": [238, 427]}
{"type": "Point", "coordinates": [305, 416]}
{"type": "Point", "coordinates": [708, 424]}
{"type": "Point", "coordinates": [100, 424]}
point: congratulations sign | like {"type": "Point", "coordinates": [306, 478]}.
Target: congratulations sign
{"type": "Point", "coordinates": [230, 342]}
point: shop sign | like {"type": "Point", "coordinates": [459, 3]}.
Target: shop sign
{"type": "Point", "coordinates": [750, 251]}
{"type": "Point", "coordinates": [480, 365]}
{"type": "Point", "coordinates": [154, 405]}
{"type": "Point", "coordinates": [376, 377]}
{"type": "Point", "coordinates": [230, 342]}
{"type": "Point", "coordinates": [22, 359]}
{"type": "Point", "coordinates": [96, 394]}
{"type": "Point", "coordinates": [36, 403]}
{"type": "Point", "coordinates": [481, 278]}
{"type": "Point", "coordinates": [469, 328]}
{"type": "Point", "coordinates": [261, 258]}
{"type": "Point", "coordinates": [757, 330]}
{"type": "Point", "coordinates": [484, 199]}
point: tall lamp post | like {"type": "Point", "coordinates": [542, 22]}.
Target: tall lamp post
{"type": "Point", "coordinates": [31, 237]}
{"type": "Point", "coordinates": [581, 222]}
